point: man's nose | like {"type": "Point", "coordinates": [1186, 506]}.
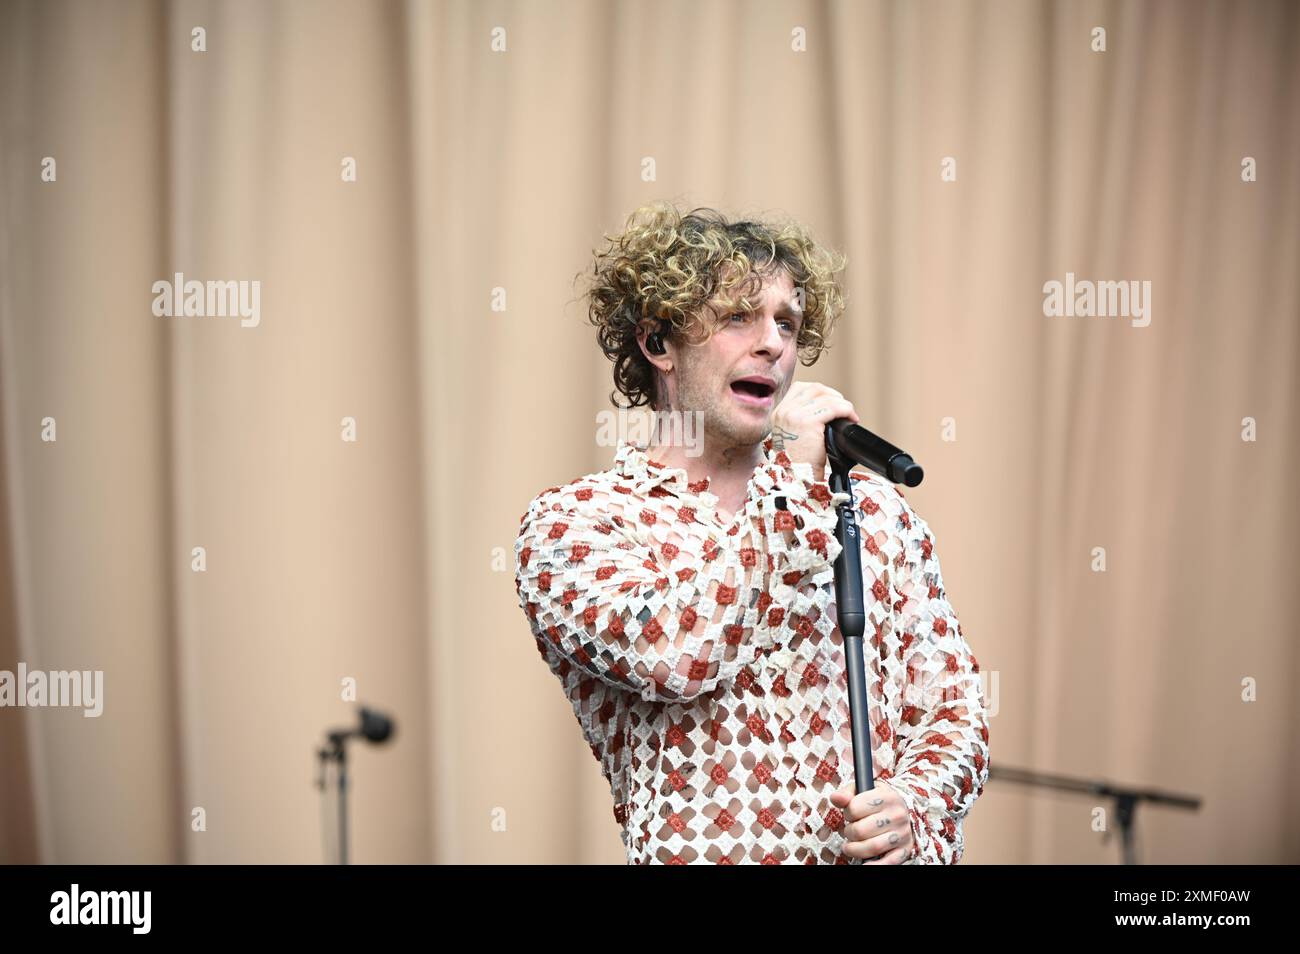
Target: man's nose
{"type": "Point", "coordinates": [769, 340]}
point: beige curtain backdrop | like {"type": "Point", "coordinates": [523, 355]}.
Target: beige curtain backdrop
{"type": "Point", "coordinates": [494, 143]}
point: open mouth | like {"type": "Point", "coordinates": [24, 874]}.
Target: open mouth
{"type": "Point", "coordinates": [755, 392]}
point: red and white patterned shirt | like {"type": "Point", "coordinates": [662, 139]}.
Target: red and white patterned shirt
{"type": "Point", "coordinates": [704, 665]}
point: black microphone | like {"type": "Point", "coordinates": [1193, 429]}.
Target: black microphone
{"type": "Point", "coordinates": [853, 442]}
{"type": "Point", "coordinates": [375, 727]}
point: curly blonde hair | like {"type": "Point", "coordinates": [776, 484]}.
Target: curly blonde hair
{"type": "Point", "coordinates": [672, 267]}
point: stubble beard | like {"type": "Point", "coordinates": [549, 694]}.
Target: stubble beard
{"type": "Point", "coordinates": [726, 426]}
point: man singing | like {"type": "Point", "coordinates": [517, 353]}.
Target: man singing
{"type": "Point", "coordinates": [686, 600]}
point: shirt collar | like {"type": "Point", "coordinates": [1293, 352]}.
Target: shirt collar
{"type": "Point", "coordinates": [634, 463]}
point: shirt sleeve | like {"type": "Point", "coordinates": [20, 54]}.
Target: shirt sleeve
{"type": "Point", "coordinates": [606, 588]}
{"type": "Point", "coordinates": [943, 730]}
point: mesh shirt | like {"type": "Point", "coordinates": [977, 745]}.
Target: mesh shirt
{"type": "Point", "coordinates": [704, 665]}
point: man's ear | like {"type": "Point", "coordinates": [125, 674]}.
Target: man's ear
{"type": "Point", "coordinates": [664, 361]}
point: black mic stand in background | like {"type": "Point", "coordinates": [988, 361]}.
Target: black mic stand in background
{"type": "Point", "coordinates": [374, 727]}
{"type": "Point", "coordinates": [1126, 799]}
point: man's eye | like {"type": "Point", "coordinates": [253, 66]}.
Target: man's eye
{"type": "Point", "coordinates": [790, 326]}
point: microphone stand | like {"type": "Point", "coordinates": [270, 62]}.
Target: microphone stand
{"type": "Point", "coordinates": [850, 612]}
{"type": "Point", "coordinates": [338, 754]}
{"type": "Point", "coordinates": [374, 727]}
{"type": "Point", "coordinates": [1126, 799]}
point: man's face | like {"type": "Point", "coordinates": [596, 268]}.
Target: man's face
{"type": "Point", "coordinates": [754, 346]}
